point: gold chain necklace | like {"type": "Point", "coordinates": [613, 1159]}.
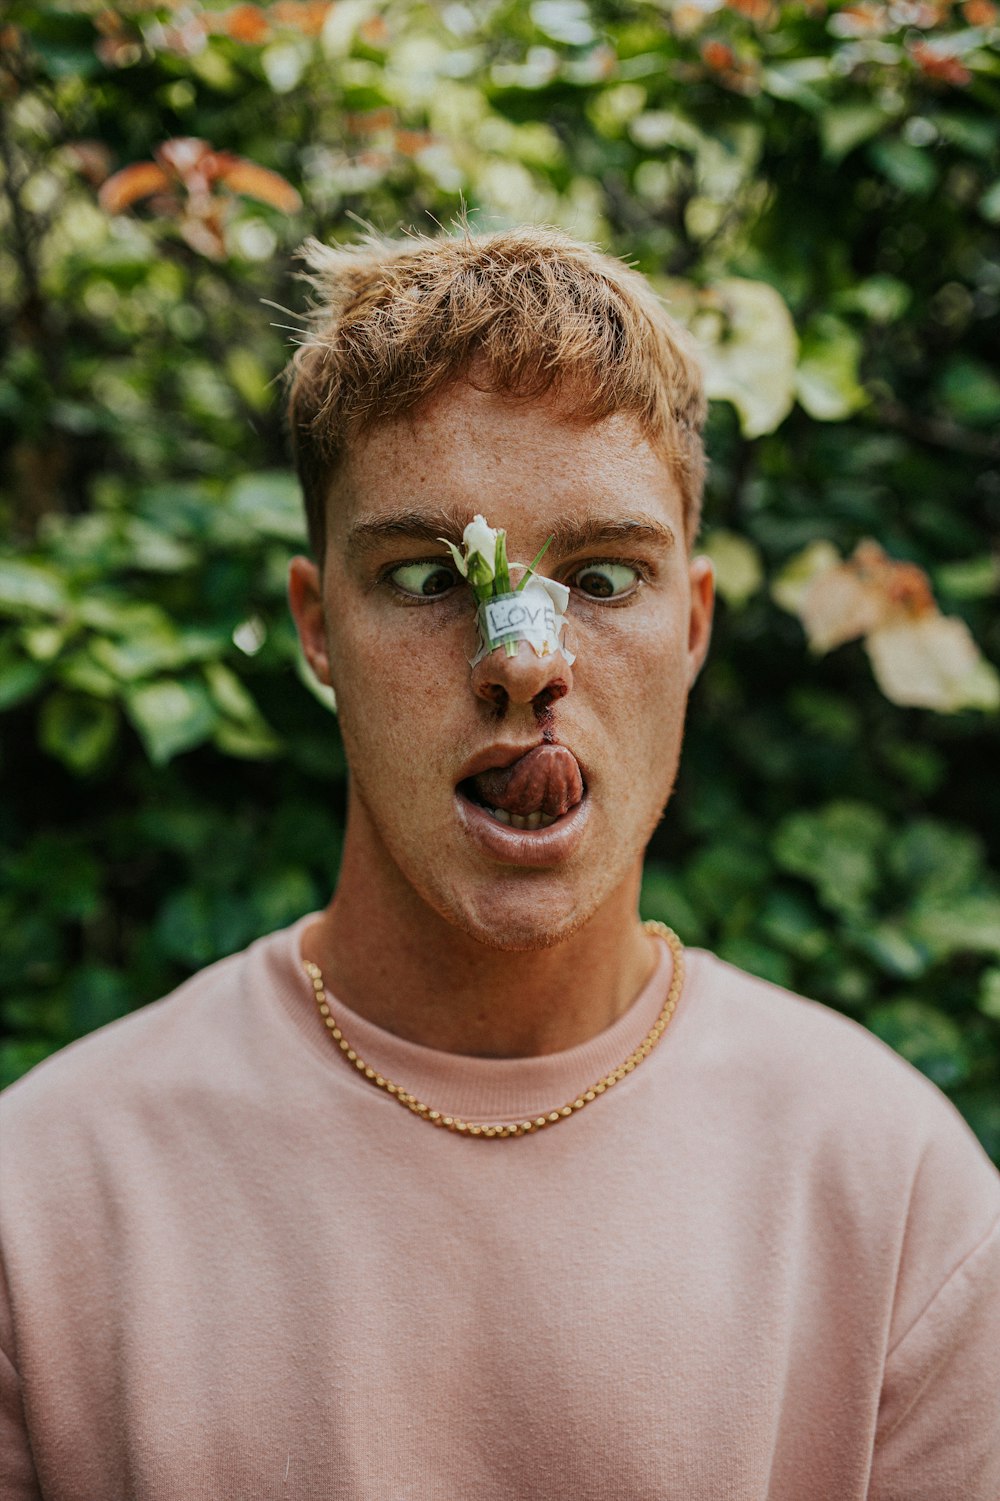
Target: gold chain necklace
{"type": "Point", "coordinates": [518, 1128]}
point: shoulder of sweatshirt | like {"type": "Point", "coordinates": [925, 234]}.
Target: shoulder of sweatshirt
{"type": "Point", "coordinates": [800, 1057]}
{"type": "Point", "coordinates": [797, 1094]}
{"type": "Point", "coordinates": [200, 1031]}
{"type": "Point", "coordinates": [794, 1070]}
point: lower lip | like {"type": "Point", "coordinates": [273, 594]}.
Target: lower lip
{"type": "Point", "coordinates": [535, 848]}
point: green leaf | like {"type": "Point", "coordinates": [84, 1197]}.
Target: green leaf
{"type": "Point", "coordinates": [925, 1037]}
{"type": "Point", "coordinates": [971, 391]}
{"type": "Point", "coordinates": [883, 299]}
{"type": "Point", "coordinates": [973, 578]}
{"type": "Point", "coordinates": [664, 900]}
{"type": "Point", "coordinates": [837, 850]}
{"type": "Point", "coordinates": [79, 732]}
{"type": "Point", "coordinates": [894, 952]}
{"type": "Point", "coordinates": [18, 681]}
{"type": "Point", "coordinates": [937, 859]}
{"type": "Point", "coordinates": [154, 550]}
{"type": "Point", "coordinates": [97, 995]}
{"type": "Point", "coordinates": [907, 167]}
{"type": "Point", "coordinates": [988, 1000]}
{"type": "Point", "coordinates": [195, 926]}
{"type": "Point", "coordinates": [844, 126]}
{"type": "Point", "coordinates": [977, 136]}
{"type": "Point", "coordinates": [757, 959]}
{"type": "Point", "coordinates": [791, 922]}
{"type": "Point", "coordinates": [968, 924]}
{"type": "Point", "coordinates": [989, 203]}
{"type": "Point", "coordinates": [981, 1108]}
{"type": "Point", "coordinates": [269, 504]}
{"type": "Point", "coordinates": [229, 694]}
{"type": "Point", "coordinates": [81, 671]}
{"type": "Point", "coordinates": [171, 716]}
{"type": "Point", "coordinates": [19, 1055]}
{"type": "Point", "coordinates": [826, 381]}
{"type": "Point", "coordinates": [282, 897]}
{"type": "Point", "coordinates": [32, 587]}
{"type": "Point", "coordinates": [142, 655]}
{"type": "Point", "coordinates": [726, 880]}
{"type": "Point", "coordinates": [250, 742]}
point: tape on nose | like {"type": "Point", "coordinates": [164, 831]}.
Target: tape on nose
{"type": "Point", "coordinates": [536, 614]}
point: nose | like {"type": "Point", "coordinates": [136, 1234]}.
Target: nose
{"type": "Point", "coordinates": [525, 678]}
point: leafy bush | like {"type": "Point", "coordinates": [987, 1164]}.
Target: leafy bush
{"type": "Point", "coordinates": [814, 189]}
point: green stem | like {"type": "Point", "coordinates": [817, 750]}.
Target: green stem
{"type": "Point", "coordinates": [533, 565]}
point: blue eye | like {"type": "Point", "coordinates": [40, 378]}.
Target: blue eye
{"type": "Point", "coordinates": [605, 580]}
{"type": "Point", "coordinates": [425, 580]}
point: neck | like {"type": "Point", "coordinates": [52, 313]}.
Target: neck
{"type": "Point", "coordinates": [394, 960]}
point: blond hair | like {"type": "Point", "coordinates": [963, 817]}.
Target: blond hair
{"type": "Point", "coordinates": [531, 311]}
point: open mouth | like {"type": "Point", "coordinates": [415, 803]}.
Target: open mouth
{"type": "Point", "coordinates": [536, 820]}
{"type": "Point", "coordinates": [533, 792]}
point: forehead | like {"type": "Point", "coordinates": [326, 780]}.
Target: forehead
{"type": "Point", "coordinates": [522, 463]}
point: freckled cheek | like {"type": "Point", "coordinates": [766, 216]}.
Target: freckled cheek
{"type": "Point", "coordinates": [393, 691]}
{"type": "Point", "coordinates": [642, 662]}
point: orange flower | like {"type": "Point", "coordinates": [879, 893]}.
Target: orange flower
{"type": "Point", "coordinates": [185, 179]}
{"type": "Point", "coordinates": [939, 66]}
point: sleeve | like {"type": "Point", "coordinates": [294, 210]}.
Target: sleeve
{"type": "Point", "coordinates": [938, 1431]}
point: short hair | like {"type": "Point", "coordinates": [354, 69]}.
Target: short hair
{"type": "Point", "coordinates": [527, 312]}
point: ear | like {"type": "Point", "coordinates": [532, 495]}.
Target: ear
{"type": "Point", "coordinates": [305, 599]}
{"type": "Point", "coordinates": [702, 575]}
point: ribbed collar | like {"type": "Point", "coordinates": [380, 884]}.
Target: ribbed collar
{"type": "Point", "coordinates": [483, 1089]}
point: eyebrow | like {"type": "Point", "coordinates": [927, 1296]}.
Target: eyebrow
{"type": "Point", "coordinates": [609, 531]}
{"type": "Point", "coordinates": [418, 526]}
{"type": "Point", "coordinates": [589, 531]}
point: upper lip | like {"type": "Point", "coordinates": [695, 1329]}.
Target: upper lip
{"type": "Point", "coordinates": [499, 757]}
{"type": "Point", "coordinates": [496, 758]}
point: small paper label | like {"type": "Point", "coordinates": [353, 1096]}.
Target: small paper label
{"type": "Point", "coordinates": [534, 614]}
{"type": "Point", "coordinates": [529, 615]}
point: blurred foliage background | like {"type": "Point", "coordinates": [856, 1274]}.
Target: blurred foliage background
{"type": "Point", "coordinates": [815, 189]}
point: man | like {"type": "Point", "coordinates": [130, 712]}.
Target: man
{"type": "Point", "coordinates": [471, 1186]}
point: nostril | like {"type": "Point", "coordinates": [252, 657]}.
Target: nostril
{"type": "Point", "coordinates": [549, 695]}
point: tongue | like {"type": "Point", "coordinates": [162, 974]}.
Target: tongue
{"type": "Point", "coordinates": [546, 780]}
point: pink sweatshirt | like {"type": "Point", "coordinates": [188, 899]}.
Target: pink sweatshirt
{"type": "Point", "coordinates": [765, 1265]}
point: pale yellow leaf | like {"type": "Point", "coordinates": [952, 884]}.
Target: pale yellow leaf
{"type": "Point", "coordinates": [739, 571]}
{"type": "Point", "coordinates": [838, 606]}
{"type": "Point", "coordinates": [792, 583]}
{"type": "Point", "coordinates": [932, 663]}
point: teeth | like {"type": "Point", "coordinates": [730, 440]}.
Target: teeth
{"type": "Point", "coordinates": [521, 820]}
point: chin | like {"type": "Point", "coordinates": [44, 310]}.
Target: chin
{"type": "Point", "coordinates": [521, 921]}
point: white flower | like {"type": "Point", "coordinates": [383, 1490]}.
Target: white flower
{"type": "Point", "coordinates": [482, 539]}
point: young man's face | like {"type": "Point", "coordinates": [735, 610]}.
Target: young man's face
{"type": "Point", "coordinates": [391, 626]}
